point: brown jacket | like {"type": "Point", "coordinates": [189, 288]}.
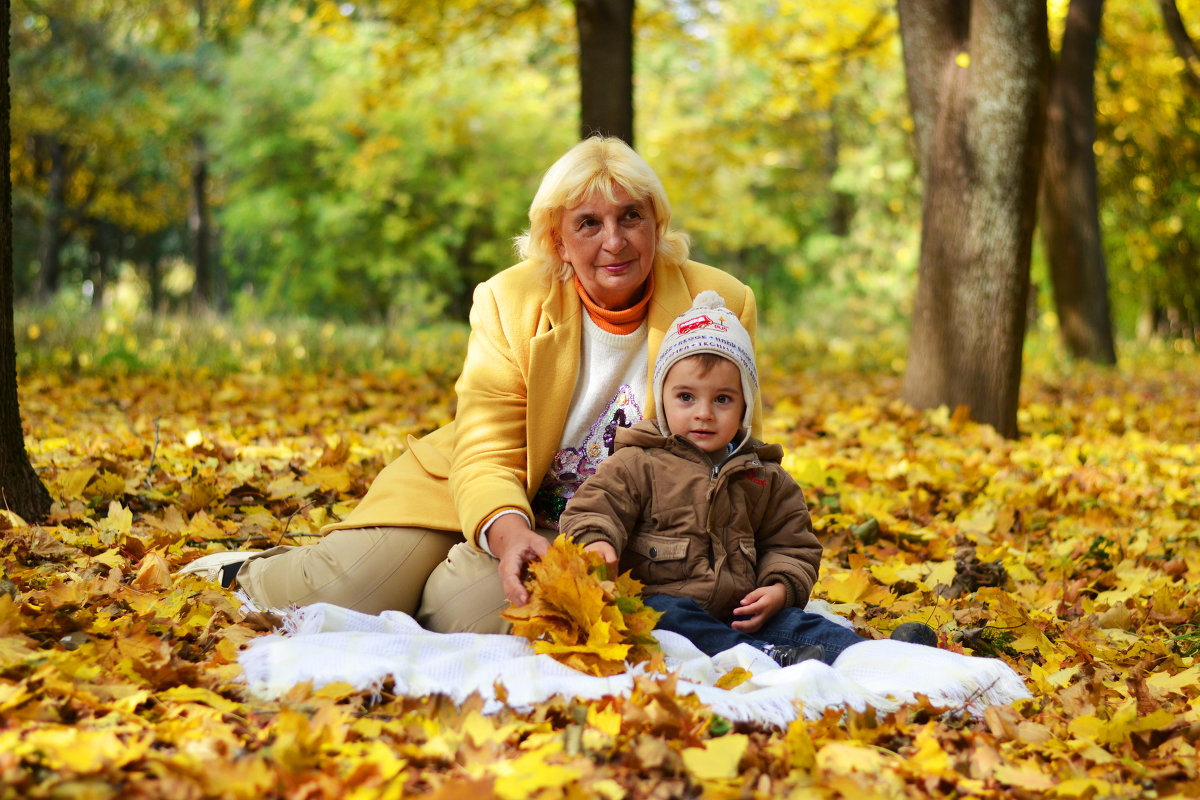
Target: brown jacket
{"type": "Point", "coordinates": [685, 528]}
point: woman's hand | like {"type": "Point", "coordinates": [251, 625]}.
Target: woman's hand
{"type": "Point", "coordinates": [607, 552]}
{"type": "Point", "coordinates": [516, 545]}
{"type": "Point", "coordinates": [759, 606]}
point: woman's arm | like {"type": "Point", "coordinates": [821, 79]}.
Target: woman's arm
{"type": "Point", "coordinates": [487, 470]}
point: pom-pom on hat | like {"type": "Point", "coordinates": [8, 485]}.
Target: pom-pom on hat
{"type": "Point", "coordinates": [707, 327]}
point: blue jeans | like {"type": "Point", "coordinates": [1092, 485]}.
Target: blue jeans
{"type": "Point", "coordinates": [791, 626]}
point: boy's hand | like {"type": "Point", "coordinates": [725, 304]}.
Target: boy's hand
{"type": "Point", "coordinates": [758, 607]}
{"type": "Point", "coordinates": [607, 552]}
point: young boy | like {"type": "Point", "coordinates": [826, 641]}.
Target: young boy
{"type": "Point", "coordinates": [702, 513]}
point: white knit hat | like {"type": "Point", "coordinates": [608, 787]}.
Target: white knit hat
{"type": "Point", "coordinates": [707, 327]}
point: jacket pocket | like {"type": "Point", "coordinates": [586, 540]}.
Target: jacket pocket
{"type": "Point", "coordinates": [431, 459]}
{"type": "Point", "coordinates": [748, 550]}
{"type": "Point", "coordinates": [659, 548]}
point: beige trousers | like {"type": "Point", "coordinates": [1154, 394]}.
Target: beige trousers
{"type": "Point", "coordinates": [364, 569]}
{"type": "Point", "coordinates": [463, 593]}
{"type": "Point", "coordinates": [447, 584]}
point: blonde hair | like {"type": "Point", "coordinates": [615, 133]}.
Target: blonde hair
{"type": "Point", "coordinates": [597, 164]}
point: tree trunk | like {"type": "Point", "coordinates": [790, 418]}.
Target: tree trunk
{"type": "Point", "coordinates": [100, 239]}
{"type": "Point", "coordinates": [842, 203]}
{"type": "Point", "coordinates": [605, 67]}
{"type": "Point", "coordinates": [21, 491]}
{"type": "Point", "coordinates": [1184, 46]}
{"type": "Point", "coordinates": [202, 289]}
{"type": "Point", "coordinates": [50, 240]}
{"type": "Point", "coordinates": [977, 74]}
{"type": "Point", "coordinates": [1070, 208]}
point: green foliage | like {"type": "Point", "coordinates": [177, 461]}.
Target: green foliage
{"type": "Point", "coordinates": [373, 162]}
{"type": "Point", "coordinates": [352, 193]}
{"type": "Point", "coordinates": [1148, 157]}
{"type": "Point", "coordinates": [66, 338]}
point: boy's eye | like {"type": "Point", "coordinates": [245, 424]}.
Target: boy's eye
{"type": "Point", "coordinates": [685, 397]}
{"type": "Point", "coordinates": [724, 398]}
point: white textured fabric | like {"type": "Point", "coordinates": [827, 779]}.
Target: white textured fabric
{"type": "Point", "coordinates": [326, 644]}
{"type": "Point", "coordinates": [607, 361]}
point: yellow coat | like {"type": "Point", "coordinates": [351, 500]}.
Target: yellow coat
{"type": "Point", "coordinates": [513, 397]}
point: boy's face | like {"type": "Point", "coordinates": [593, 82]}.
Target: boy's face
{"type": "Point", "coordinates": [706, 408]}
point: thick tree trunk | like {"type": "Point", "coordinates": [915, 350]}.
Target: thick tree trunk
{"type": "Point", "coordinates": [21, 490]}
{"type": "Point", "coordinates": [977, 74]}
{"type": "Point", "coordinates": [1070, 208]}
{"type": "Point", "coordinates": [605, 67]}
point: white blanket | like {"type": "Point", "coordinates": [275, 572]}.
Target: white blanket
{"type": "Point", "coordinates": [327, 644]}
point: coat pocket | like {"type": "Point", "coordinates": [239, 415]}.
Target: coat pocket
{"type": "Point", "coordinates": [431, 459]}
{"type": "Point", "coordinates": [659, 548]}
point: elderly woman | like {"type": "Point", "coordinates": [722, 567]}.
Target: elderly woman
{"type": "Point", "coordinates": [560, 354]}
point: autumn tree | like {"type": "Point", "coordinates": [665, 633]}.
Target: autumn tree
{"type": "Point", "coordinates": [21, 489]}
{"type": "Point", "coordinates": [977, 75]}
{"type": "Point", "coordinates": [1070, 210]}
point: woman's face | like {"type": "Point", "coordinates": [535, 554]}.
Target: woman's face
{"type": "Point", "coordinates": [610, 245]}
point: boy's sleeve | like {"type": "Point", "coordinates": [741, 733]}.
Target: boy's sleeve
{"type": "Point", "coordinates": [605, 508]}
{"type": "Point", "coordinates": [788, 550]}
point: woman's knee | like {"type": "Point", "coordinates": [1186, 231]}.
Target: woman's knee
{"type": "Point", "coordinates": [364, 569]}
{"type": "Point", "coordinates": [463, 594]}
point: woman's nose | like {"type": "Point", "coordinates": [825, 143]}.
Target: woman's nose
{"type": "Point", "coordinates": [614, 237]}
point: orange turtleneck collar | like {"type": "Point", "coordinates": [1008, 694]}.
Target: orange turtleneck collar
{"type": "Point", "coordinates": [618, 322]}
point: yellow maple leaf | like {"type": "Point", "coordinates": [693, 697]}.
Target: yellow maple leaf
{"type": "Point", "coordinates": [734, 678]}
{"type": "Point", "coordinates": [718, 759]}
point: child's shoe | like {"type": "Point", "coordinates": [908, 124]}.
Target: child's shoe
{"type": "Point", "coordinates": [786, 655]}
{"type": "Point", "coordinates": [917, 633]}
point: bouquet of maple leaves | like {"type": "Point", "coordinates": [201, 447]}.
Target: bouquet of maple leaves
{"type": "Point", "coordinates": [581, 618]}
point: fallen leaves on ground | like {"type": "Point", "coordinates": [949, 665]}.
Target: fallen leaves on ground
{"type": "Point", "coordinates": [1070, 553]}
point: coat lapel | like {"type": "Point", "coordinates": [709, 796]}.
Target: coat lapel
{"type": "Point", "coordinates": [553, 367]}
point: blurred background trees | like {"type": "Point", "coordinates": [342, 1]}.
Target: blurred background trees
{"type": "Point", "coordinates": [372, 161]}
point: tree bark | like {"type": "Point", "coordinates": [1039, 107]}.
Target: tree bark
{"type": "Point", "coordinates": [1070, 208]}
{"type": "Point", "coordinates": [21, 490]}
{"type": "Point", "coordinates": [605, 67]}
{"type": "Point", "coordinates": [50, 239]}
{"type": "Point", "coordinates": [198, 226]}
{"type": "Point", "coordinates": [1184, 46]}
{"type": "Point", "coordinates": [977, 75]}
